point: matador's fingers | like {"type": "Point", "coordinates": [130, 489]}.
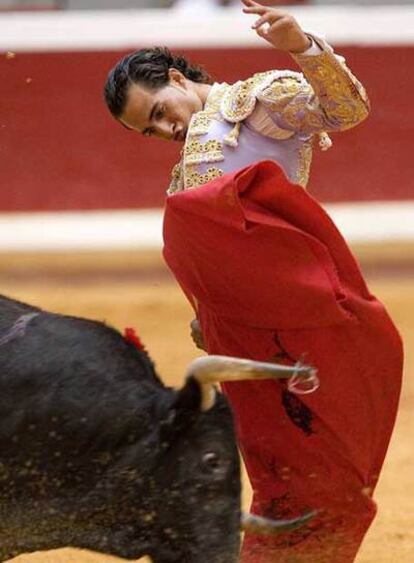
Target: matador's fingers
{"type": "Point", "coordinates": [197, 335]}
{"type": "Point", "coordinates": [263, 32]}
{"type": "Point", "coordinates": [280, 24]}
{"type": "Point", "coordinates": [251, 3]}
{"type": "Point", "coordinates": [259, 10]}
{"type": "Point", "coordinates": [267, 18]}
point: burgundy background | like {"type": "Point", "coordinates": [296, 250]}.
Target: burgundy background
{"type": "Point", "coordinates": [60, 149]}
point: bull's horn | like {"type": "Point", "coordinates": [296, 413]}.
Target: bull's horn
{"type": "Point", "coordinates": [213, 369]}
{"type": "Point", "coordinates": [253, 524]}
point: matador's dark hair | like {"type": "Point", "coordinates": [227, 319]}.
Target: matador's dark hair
{"type": "Point", "coordinates": [148, 67]}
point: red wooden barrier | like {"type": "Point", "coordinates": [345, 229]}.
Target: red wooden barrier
{"type": "Point", "coordinates": [60, 150]}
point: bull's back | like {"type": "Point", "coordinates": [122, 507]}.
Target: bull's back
{"type": "Point", "coordinates": [69, 385]}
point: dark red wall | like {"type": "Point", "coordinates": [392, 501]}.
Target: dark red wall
{"type": "Point", "coordinates": [60, 150]}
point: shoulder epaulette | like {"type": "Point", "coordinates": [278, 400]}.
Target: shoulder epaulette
{"type": "Point", "coordinates": [240, 99]}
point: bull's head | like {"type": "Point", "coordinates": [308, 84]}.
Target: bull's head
{"type": "Point", "coordinates": [96, 453]}
{"type": "Point", "coordinates": [199, 516]}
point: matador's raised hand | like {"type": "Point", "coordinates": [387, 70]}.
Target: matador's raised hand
{"type": "Point", "coordinates": [278, 28]}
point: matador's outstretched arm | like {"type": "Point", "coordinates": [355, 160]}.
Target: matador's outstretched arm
{"type": "Point", "coordinates": [330, 99]}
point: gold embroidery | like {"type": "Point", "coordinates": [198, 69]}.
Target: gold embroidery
{"type": "Point", "coordinates": [240, 102]}
{"type": "Point", "coordinates": [215, 98]}
{"type": "Point", "coordinates": [176, 184]}
{"type": "Point", "coordinates": [341, 95]}
{"type": "Point", "coordinates": [194, 178]}
{"type": "Point", "coordinates": [304, 163]}
{"type": "Point", "coordinates": [281, 91]}
{"type": "Point", "coordinates": [285, 86]}
{"type": "Point", "coordinates": [240, 99]}
{"type": "Point", "coordinates": [197, 153]}
{"type": "Point", "coordinates": [294, 102]}
{"type": "Point", "coordinates": [201, 123]}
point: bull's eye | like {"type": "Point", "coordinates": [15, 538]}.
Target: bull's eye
{"type": "Point", "coordinates": [211, 461]}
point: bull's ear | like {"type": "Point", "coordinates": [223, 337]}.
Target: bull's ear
{"type": "Point", "coordinates": [185, 407]}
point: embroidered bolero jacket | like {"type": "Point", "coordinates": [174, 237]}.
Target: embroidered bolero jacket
{"type": "Point", "coordinates": [273, 115]}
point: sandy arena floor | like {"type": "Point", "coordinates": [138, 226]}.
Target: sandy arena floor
{"type": "Point", "coordinates": [148, 299]}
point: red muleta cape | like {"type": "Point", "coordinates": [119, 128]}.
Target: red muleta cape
{"type": "Point", "coordinates": [268, 273]}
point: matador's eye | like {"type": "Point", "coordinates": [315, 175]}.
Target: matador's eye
{"type": "Point", "coordinates": [160, 113]}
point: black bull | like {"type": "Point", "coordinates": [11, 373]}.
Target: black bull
{"type": "Point", "coordinates": [96, 453]}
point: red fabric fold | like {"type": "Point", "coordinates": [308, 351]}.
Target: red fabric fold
{"type": "Point", "coordinates": [248, 246]}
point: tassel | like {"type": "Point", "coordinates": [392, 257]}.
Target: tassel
{"type": "Point", "coordinates": [325, 142]}
{"type": "Point", "coordinates": [231, 139]}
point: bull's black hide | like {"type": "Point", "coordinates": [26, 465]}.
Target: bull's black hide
{"type": "Point", "coordinates": [96, 453]}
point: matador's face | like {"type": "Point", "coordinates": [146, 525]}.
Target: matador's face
{"type": "Point", "coordinates": [165, 112]}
